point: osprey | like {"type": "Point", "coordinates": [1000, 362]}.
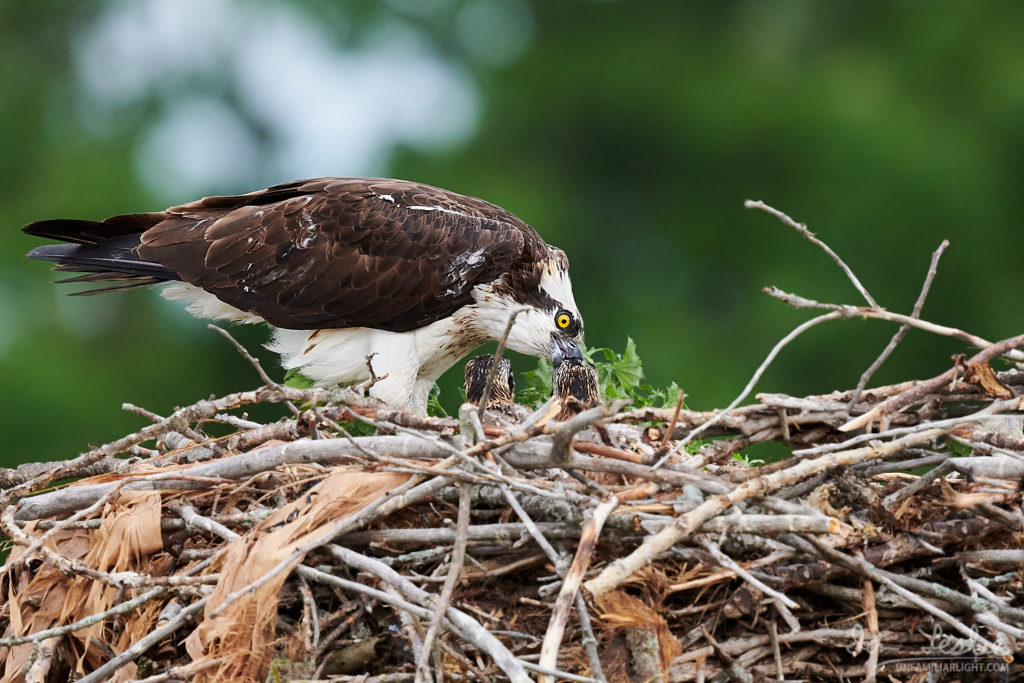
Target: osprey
{"type": "Point", "coordinates": [574, 383]}
{"type": "Point", "coordinates": [350, 272]}
{"type": "Point", "coordinates": [503, 389]}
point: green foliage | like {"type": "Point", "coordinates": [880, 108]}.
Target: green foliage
{"type": "Point", "coordinates": [619, 375]}
{"type": "Point", "coordinates": [747, 460]}
{"type": "Point", "coordinates": [434, 407]}
{"type": "Point", "coordinates": [357, 428]}
{"type": "Point", "coordinates": [295, 379]}
{"type": "Point", "coordinates": [537, 387]}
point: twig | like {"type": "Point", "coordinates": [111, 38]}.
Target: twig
{"type": "Point", "coordinates": [728, 563]}
{"type": "Point", "coordinates": [493, 372]}
{"type": "Point", "coordinates": [846, 311]}
{"type": "Point", "coordinates": [454, 570]}
{"type": "Point", "coordinates": [902, 331]}
{"type": "Point", "coordinates": [909, 397]}
{"type": "Point", "coordinates": [469, 628]}
{"type": "Point", "coordinates": [571, 583]}
{"type": "Point", "coordinates": [410, 492]}
{"type": "Point", "coordinates": [733, 669]}
{"type": "Point", "coordinates": [773, 634]}
{"type": "Point", "coordinates": [91, 620]}
{"type": "Point", "coordinates": [796, 332]}
{"type": "Point", "coordinates": [185, 672]}
{"type": "Point", "coordinates": [871, 668]}
{"type": "Point", "coordinates": [142, 645]}
{"type": "Point", "coordinates": [589, 640]}
{"type": "Point", "coordinates": [919, 484]}
{"type": "Point", "coordinates": [253, 362]}
{"type": "Point", "coordinates": [802, 229]}
{"type": "Point", "coordinates": [663, 447]}
{"type": "Point", "coordinates": [622, 568]}
{"type": "Point", "coordinates": [868, 570]}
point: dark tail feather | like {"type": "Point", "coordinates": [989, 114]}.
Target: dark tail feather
{"type": "Point", "coordinates": [93, 232]}
{"type": "Point", "coordinates": [130, 283]}
{"type": "Point", "coordinates": [112, 260]}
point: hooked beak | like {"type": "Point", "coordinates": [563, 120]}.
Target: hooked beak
{"type": "Point", "coordinates": [563, 348]}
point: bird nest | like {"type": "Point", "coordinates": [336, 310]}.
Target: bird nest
{"type": "Point", "coordinates": [349, 541]}
{"type": "Point", "coordinates": [595, 547]}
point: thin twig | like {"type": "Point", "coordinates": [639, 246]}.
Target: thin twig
{"type": "Point", "coordinates": [802, 229]}
{"type": "Point", "coordinates": [571, 584]}
{"type": "Point", "coordinates": [454, 571]}
{"type": "Point", "coordinates": [871, 668]}
{"type": "Point", "coordinates": [493, 371]}
{"type": "Point", "coordinates": [796, 332]}
{"type": "Point", "coordinates": [902, 331]}
{"type": "Point", "coordinates": [868, 570]}
{"type": "Point", "coordinates": [253, 361]}
{"type": "Point", "coordinates": [142, 645]}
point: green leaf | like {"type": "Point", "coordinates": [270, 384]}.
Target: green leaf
{"type": "Point", "coordinates": [627, 367]}
{"type": "Point", "coordinates": [434, 407]}
{"type": "Point", "coordinates": [295, 379]}
{"type": "Point", "coordinates": [537, 385]}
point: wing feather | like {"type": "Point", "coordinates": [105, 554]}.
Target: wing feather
{"type": "Point", "coordinates": [343, 252]}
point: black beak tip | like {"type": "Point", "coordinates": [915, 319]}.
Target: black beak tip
{"type": "Point", "coordinates": [563, 348]}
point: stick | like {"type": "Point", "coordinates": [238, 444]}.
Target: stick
{"type": "Point", "coordinates": [868, 570]}
{"type": "Point", "coordinates": [493, 372]}
{"type": "Point", "coordinates": [871, 668]}
{"type": "Point", "coordinates": [458, 556]}
{"type": "Point", "coordinates": [141, 646]}
{"type": "Point", "coordinates": [909, 397]}
{"type": "Point", "coordinates": [902, 332]}
{"type": "Point", "coordinates": [467, 627]}
{"type": "Point", "coordinates": [571, 585]}
{"type": "Point", "coordinates": [802, 229]}
{"type": "Point", "coordinates": [796, 332]}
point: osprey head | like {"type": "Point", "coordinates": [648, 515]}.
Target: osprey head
{"type": "Point", "coordinates": [502, 390]}
{"type": "Point", "coordinates": [548, 323]}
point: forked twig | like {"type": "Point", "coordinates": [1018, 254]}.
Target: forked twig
{"type": "Point", "coordinates": [904, 328]}
{"type": "Point", "coordinates": [802, 229]}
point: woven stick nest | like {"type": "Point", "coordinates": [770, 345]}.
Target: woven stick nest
{"type": "Point", "coordinates": [608, 546]}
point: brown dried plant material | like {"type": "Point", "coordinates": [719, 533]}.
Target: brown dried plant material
{"type": "Point", "coordinates": [981, 374]}
{"type": "Point", "coordinates": [820, 498]}
{"type": "Point", "coordinates": [128, 535]}
{"type": "Point", "coordinates": [620, 610]}
{"type": "Point", "coordinates": [242, 634]}
{"type": "Point", "coordinates": [35, 603]}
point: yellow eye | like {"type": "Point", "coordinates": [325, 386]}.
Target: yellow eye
{"type": "Point", "coordinates": [563, 320]}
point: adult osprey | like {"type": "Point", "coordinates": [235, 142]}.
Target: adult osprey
{"type": "Point", "coordinates": [343, 268]}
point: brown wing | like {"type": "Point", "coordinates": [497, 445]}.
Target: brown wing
{"type": "Point", "coordinates": [337, 252]}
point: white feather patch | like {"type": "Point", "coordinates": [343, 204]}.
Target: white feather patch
{"type": "Point", "coordinates": [412, 361]}
{"type": "Point", "coordinates": [202, 304]}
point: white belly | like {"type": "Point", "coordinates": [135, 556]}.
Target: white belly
{"type": "Point", "coordinates": [406, 363]}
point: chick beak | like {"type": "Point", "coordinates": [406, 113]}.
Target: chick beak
{"type": "Point", "coordinates": [563, 348]}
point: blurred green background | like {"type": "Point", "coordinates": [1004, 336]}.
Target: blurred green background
{"type": "Point", "coordinates": [629, 134]}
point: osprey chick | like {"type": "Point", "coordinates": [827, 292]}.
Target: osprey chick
{"type": "Point", "coordinates": [503, 390]}
{"type": "Point", "coordinates": [574, 384]}
{"type": "Point", "coordinates": [342, 268]}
